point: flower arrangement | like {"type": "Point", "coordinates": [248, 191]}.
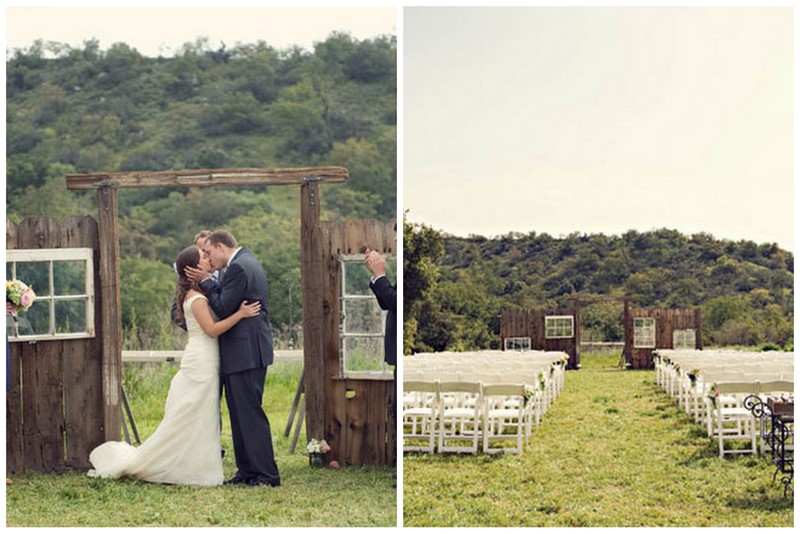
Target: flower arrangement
{"type": "Point", "coordinates": [529, 392]}
{"type": "Point", "coordinates": [20, 295]}
{"type": "Point", "coordinates": [316, 446]}
{"type": "Point", "coordinates": [542, 380]}
{"type": "Point", "coordinates": [693, 374]}
{"type": "Point", "coordinates": [714, 395]}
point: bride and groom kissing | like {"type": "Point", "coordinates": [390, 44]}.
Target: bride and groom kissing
{"type": "Point", "coordinates": [229, 345]}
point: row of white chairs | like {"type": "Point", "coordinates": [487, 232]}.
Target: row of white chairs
{"type": "Point", "coordinates": [685, 375]}
{"type": "Point", "coordinates": [463, 416]}
{"type": "Point", "coordinates": [545, 370]}
{"type": "Point", "coordinates": [458, 402]}
{"type": "Point", "coordinates": [711, 387]}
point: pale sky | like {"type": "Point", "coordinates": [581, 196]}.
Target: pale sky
{"type": "Point", "coordinates": [600, 120]}
{"type": "Point", "coordinates": [162, 31]}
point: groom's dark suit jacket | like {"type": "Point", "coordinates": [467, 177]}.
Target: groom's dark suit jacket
{"type": "Point", "coordinates": [248, 345]}
{"type": "Point", "coordinates": [386, 294]}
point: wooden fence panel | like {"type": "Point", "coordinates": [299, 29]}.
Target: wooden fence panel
{"type": "Point", "coordinates": [55, 407]}
{"type": "Point", "coordinates": [531, 323]}
{"type": "Point", "coordinates": [83, 363]}
{"type": "Point", "coordinates": [357, 418]}
{"type": "Point", "coordinates": [667, 321]}
{"type": "Point", "coordinates": [335, 417]}
{"type": "Point", "coordinates": [42, 373]}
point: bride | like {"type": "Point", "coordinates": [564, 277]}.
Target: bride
{"type": "Point", "coordinates": [185, 448]}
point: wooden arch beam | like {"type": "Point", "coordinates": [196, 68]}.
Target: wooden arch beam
{"type": "Point", "coordinates": [207, 177]}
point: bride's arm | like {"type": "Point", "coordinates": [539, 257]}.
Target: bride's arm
{"type": "Point", "coordinates": [202, 312]}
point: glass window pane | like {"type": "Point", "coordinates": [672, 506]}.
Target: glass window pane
{"type": "Point", "coordinates": [36, 275]}
{"type": "Point", "coordinates": [559, 327]}
{"type": "Point", "coordinates": [644, 333]}
{"type": "Point", "coordinates": [356, 278]}
{"type": "Point", "coordinates": [363, 353]}
{"type": "Point", "coordinates": [69, 277]}
{"type": "Point", "coordinates": [70, 316]}
{"type": "Point", "coordinates": [34, 321]}
{"type": "Point", "coordinates": [518, 343]}
{"type": "Point", "coordinates": [362, 316]}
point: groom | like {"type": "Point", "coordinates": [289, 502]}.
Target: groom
{"type": "Point", "coordinates": [245, 352]}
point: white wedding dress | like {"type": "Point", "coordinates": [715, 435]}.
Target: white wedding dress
{"type": "Point", "coordinates": [185, 448]}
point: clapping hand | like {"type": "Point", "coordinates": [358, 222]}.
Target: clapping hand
{"type": "Point", "coordinates": [375, 263]}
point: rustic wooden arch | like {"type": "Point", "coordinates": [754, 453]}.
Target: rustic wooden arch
{"type": "Point", "coordinates": [530, 323]}
{"type": "Point", "coordinates": [667, 321]}
{"type": "Point", "coordinates": [312, 266]}
{"type": "Point", "coordinates": [579, 301]}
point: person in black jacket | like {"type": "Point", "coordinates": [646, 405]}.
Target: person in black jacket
{"type": "Point", "coordinates": [386, 293]}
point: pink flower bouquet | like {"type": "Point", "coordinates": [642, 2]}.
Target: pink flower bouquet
{"type": "Point", "coordinates": [20, 295]}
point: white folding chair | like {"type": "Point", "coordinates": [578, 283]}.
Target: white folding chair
{"type": "Point", "coordinates": [459, 417]}
{"type": "Point", "coordinates": [421, 400]}
{"type": "Point", "coordinates": [504, 410]}
{"type": "Point", "coordinates": [729, 419]}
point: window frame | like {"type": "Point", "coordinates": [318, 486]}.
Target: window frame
{"type": "Point", "coordinates": [525, 340]}
{"type": "Point", "coordinates": [638, 342]}
{"type": "Point", "coordinates": [384, 372]}
{"type": "Point", "coordinates": [51, 256]}
{"type": "Point", "coordinates": [557, 328]}
{"type": "Point", "coordinates": [683, 332]}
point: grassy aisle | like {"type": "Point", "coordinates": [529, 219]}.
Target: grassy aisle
{"type": "Point", "coordinates": [350, 496]}
{"type": "Point", "coordinates": [612, 451]}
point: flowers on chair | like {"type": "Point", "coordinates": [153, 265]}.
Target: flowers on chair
{"type": "Point", "coordinates": [542, 380]}
{"type": "Point", "coordinates": [529, 393]}
{"type": "Point", "coordinates": [693, 374]}
{"type": "Point", "coordinates": [714, 395]}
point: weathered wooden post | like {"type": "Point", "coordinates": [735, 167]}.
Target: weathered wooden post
{"type": "Point", "coordinates": [111, 343]}
{"type": "Point", "coordinates": [311, 269]}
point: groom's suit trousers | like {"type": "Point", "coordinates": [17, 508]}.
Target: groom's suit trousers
{"type": "Point", "coordinates": [252, 438]}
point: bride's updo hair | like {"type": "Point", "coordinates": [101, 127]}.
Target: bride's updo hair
{"type": "Point", "coordinates": [188, 257]}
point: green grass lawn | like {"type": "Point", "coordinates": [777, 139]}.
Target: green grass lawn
{"type": "Point", "coordinates": [613, 451]}
{"type": "Point", "coordinates": [350, 496]}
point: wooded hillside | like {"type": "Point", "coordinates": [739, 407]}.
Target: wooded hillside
{"type": "Point", "coordinates": [459, 286]}
{"type": "Point", "coordinates": [82, 110]}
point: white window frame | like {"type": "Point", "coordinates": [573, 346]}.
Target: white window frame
{"type": "Point", "coordinates": [559, 329]}
{"type": "Point", "coordinates": [50, 256]}
{"type": "Point", "coordinates": [644, 335]}
{"type": "Point", "coordinates": [685, 338]}
{"type": "Point", "coordinates": [517, 343]}
{"type": "Point", "coordinates": [384, 372]}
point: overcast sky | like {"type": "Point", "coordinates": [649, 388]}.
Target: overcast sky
{"type": "Point", "coordinates": [600, 120]}
{"type": "Point", "coordinates": [155, 31]}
